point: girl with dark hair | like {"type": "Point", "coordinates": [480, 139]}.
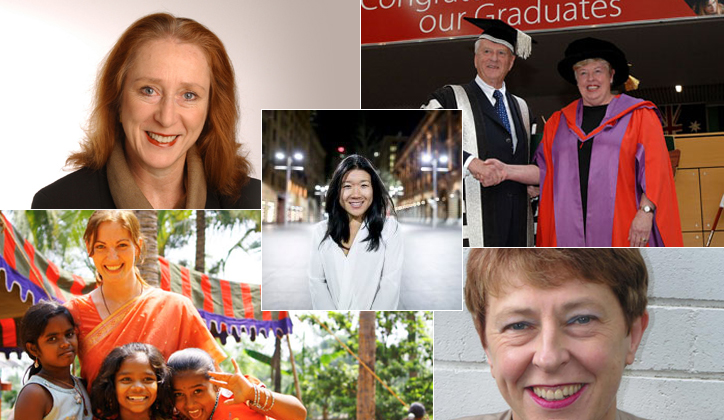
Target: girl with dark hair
{"type": "Point", "coordinates": [201, 393]}
{"type": "Point", "coordinates": [132, 384]}
{"type": "Point", "coordinates": [51, 391]}
{"type": "Point", "coordinates": [356, 261]}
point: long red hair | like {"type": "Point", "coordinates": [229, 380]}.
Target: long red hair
{"type": "Point", "coordinates": [225, 169]}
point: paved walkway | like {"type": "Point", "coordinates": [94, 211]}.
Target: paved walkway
{"type": "Point", "coordinates": [431, 278]}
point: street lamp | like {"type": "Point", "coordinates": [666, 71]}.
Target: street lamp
{"type": "Point", "coordinates": [321, 191]}
{"type": "Point", "coordinates": [289, 168]}
{"type": "Point", "coordinates": [434, 160]}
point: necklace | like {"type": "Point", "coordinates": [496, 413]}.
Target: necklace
{"type": "Point", "coordinates": [79, 398]}
{"type": "Point", "coordinates": [104, 298]}
{"type": "Point", "coordinates": [215, 404]}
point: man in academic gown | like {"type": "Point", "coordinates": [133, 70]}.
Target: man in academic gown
{"type": "Point", "coordinates": [496, 124]}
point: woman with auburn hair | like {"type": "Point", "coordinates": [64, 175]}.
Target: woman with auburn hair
{"type": "Point", "coordinates": [124, 308]}
{"type": "Point", "coordinates": [356, 258]}
{"type": "Point", "coordinates": [162, 133]}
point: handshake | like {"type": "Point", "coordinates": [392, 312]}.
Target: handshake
{"type": "Point", "coordinates": [491, 172]}
{"type": "Point", "coordinates": [488, 172]}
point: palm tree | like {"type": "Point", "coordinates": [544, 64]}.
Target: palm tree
{"type": "Point", "coordinates": [250, 240]}
{"type": "Point", "coordinates": [149, 229]}
{"type": "Point", "coordinates": [365, 380]}
{"type": "Point", "coordinates": [200, 239]}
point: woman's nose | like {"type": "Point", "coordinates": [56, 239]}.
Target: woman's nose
{"type": "Point", "coordinates": [551, 352]}
{"type": "Point", "coordinates": [166, 112]}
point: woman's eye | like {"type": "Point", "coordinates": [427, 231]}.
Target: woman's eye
{"type": "Point", "coordinates": [149, 379]}
{"type": "Point", "coordinates": [583, 319]}
{"type": "Point", "coordinates": [517, 326]}
{"type": "Point", "coordinates": [147, 90]}
{"type": "Point", "coordinates": [124, 380]}
{"type": "Point", "coordinates": [51, 339]}
{"type": "Point", "coordinates": [177, 395]}
{"type": "Point", "coordinates": [190, 96]}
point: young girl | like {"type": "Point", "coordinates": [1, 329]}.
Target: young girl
{"type": "Point", "coordinates": [356, 259]}
{"type": "Point", "coordinates": [51, 392]}
{"type": "Point", "coordinates": [131, 385]}
{"type": "Point", "coordinates": [197, 396]}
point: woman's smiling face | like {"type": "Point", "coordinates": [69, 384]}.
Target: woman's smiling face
{"type": "Point", "coordinates": [114, 252]}
{"type": "Point", "coordinates": [356, 193]}
{"type": "Point", "coordinates": [559, 352]}
{"type": "Point", "coordinates": [164, 103]}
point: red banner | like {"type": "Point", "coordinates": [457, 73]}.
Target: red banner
{"type": "Point", "coordinates": [407, 20]}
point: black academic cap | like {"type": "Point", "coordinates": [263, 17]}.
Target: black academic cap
{"type": "Point", "coordinates": [498, 31]}
{"type": "Point", "coordinates": [584, 48]}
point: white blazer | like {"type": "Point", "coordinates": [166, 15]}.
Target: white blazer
{"type": "Point", "coordinates": [361, 280]}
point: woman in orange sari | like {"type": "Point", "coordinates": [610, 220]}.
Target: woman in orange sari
{"type": "Point", "coordinates": [124, 308]}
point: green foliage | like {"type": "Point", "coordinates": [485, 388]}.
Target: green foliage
{"type": "Point", "coordinates": [9, 397]}
{"type": "Point", "coordinates": [248, 220]}
{"type": "Point", "coordinates": [56, 234]}
{"type": "Point", "coordinates": [175, 229]}
{"type": "Point", "coordinates": [328, 374]}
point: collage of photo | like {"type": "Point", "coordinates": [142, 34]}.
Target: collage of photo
{"type": "Point", "coordinates": [406, 209]}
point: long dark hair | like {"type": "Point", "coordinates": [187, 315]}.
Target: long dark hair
{"type": "Point", "coordinates": [103, 392]}
{"type": "Point", "coordinates": [338, 224]}
{"type": "Point", "coordinates": [33, 325]}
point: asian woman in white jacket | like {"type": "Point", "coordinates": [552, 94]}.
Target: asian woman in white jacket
{"type": "Point", "coordinates": [356, 256]}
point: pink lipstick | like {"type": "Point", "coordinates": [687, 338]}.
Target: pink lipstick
{"type": "Point", "coordinates": [557, 404]}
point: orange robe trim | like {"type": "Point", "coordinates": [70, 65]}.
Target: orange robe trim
{"type": "Point", "coordinates": [643, 129]}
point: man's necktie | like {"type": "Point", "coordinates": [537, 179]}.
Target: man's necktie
{"type": "Point", "coordinates": [500, 109]}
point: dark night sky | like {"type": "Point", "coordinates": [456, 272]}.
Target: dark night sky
{"type": "Point", "coordinates": [339, 127]}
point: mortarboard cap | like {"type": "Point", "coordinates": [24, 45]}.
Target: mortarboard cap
{"type": "Point", "coordinates": [498, 31]}
{"type": "Point", "coordinates": [585, 48]}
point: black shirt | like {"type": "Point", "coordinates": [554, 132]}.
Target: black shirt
{"type": "Point", "coordinates": [592, 117]}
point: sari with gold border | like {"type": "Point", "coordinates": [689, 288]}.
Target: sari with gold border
{"type": "Point", "coordinates": [166, 320]}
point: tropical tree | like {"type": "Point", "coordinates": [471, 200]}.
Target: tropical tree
{"type": "Point", "coordinates": [329, 375]}
{"type": "Point", "coordinates": [200, 240]}
{"type": "Point", "coordinates": [366, 382]}
{"type": "Point", "coordinates": [56, 234]}
{"type": "Point", "coordinates": [149, 229]}
{"type": "Point", "coordinates": [250, 238]}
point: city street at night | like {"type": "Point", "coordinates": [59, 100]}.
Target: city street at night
{"type": "Point", "coordinates": [431, 277]}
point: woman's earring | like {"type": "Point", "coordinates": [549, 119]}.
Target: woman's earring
{"type": "Point", "coordinates": [36, 364]}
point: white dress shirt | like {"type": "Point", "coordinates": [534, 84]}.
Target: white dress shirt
{"type": "Point", "coordinates": [360, 280]}
{"type": "Point", "coordinates": [488, 91]}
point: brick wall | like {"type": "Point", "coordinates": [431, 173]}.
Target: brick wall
{"type": "Point", "coordinates": [679, 367]}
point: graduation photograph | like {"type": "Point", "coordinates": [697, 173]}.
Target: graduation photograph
{"type": "Point", "coordinates": [590, 124]}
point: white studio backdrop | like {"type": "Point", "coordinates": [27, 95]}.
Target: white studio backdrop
{"type": "Point", "coordinates": [287, 55]}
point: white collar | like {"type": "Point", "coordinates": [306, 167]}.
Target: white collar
{"type": "Point", "coordinates": [487, 89]}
